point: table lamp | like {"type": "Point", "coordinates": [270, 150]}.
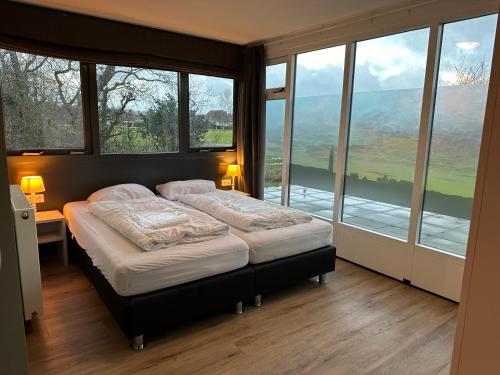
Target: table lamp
{"type": "Point", "coordinates": [233, 170]}
{"type": "Point", "coordinates": [33, 186]}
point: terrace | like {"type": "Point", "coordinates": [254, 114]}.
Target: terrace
{"type": "Point", "coordinates": [439, 231]}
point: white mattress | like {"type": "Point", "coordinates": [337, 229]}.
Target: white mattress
{"type": "Point", "coordinates": [271, 244]}
{"type": "Point", "coordinates": [132, 271]}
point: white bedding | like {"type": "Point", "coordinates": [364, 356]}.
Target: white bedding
{"type": "Point", "coordinates": [132, 271]}
{"type": "Point", "coordinates": [279, 243]}
{"type": "Point", "coordinates": [155, 223]}
{"type": "Point", "coordinates": [244, 212]}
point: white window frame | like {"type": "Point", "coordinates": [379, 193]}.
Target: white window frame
{"type": "Point", "coordinates": [426, 15]}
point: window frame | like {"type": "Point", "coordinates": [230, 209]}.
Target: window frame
{"type": "Point", "coordinates": [94, 112]}
{"type": "Point", "coordinates": [90, 112]}
{"type": "Point", "coordinates": [188, 120]}
{"type": "Point", "coordinates": [86, 117]}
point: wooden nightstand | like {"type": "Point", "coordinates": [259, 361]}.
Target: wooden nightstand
{"type": "Point", "coordinates": [51, 227]}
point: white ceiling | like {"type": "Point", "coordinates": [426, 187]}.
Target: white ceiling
{"type": "Point", "coordinates": [236, 21]}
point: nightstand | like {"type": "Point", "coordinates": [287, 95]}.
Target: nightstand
{"type": "Point", "coordinates": [51, 227]}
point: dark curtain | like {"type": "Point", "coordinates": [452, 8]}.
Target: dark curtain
{"type": "Point", "coordinates": [250, 130]}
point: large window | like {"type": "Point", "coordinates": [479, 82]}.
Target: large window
{"type": "Point", "coordinates": [138, 110]}
{"type": "Point", "coordinates": [273, 162]}
{"type": "Point", "coordinates": [464, 72]}
{"type": "Point", "coordinates": [210, 112]}
{"type": "Point", "coordinates": [275, 131]}
{"type": "Point", "coordinates": [42, 102]}
{"type": "Point", "coordinates": [316, 117]}
{"type": "Point", "coordinates": [383, 132]}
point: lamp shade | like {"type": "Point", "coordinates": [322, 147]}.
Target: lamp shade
{"type": "Point", "coordinates": [32, 184]}
{"type": "Point", "coordinates": [233, 170]}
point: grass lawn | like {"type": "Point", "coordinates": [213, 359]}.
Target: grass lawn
{"type": "Point", "coordinates": [218, 137]}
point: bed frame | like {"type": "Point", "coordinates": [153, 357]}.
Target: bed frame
{"type": "Point", "coordinates": [154, 312]}
{"type": "Point", "coordinates": [283, 272]}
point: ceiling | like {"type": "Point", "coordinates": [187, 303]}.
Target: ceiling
{"type": "Point", "coordinates": [236, 21]}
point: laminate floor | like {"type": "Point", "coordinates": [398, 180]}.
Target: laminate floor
{"type": "Point", "coordinates": [358, 323]}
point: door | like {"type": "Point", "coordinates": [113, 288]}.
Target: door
{"type": "Point", "coordinates": [414, 130]}
{"type": "Point", "coordinates": [451, 154]}
{"type": "Point", "coordinates": [381, 137]}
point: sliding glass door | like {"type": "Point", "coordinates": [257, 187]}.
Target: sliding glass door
{"type": "Point", "coordinates": [275, 131]}
{"type": "Point", "coordinates": [381, 137]}
{"type": "Point", "coordinates": [462, 89]}
{"type": "Point", "coordinates": [315, 129]}
{"type": "Point", "coordinates": [383, 132]}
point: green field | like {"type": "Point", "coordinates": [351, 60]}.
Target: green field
{"type": "Point", "coordinates": [218, 137]}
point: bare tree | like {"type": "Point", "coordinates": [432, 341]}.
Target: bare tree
{"type": "Point", "coordinates": [42, 100]}
{"type": "Point", "coordinates": [476, 74]}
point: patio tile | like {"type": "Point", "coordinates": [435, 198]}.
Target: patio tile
{"type": "Point", "coordinates": [442, 244]}
{"type": "Point", "coordinates": [326, 205]}
{"type": "Point", "coordinates": [306, 207]}
{"type": "Point", "coordinates": [432, 229]}
{"type": "Point", "coordinates": [357, 211]}
{"type": "Point", "coordinates": [394, 232]}
{"type": "Point", "coordinates": [390, 220]}
{"type": "Point", "coordinates": [365, 223]}
{"type": "Point", "coordinates": [375, 207]}
{"type": "Point", "coordinates": [356, 199]}
{"type": "Point", "coordinates": [455, 236]}
{"type": "Point", "coordinates": [303, 198]}
{"type": "Point", "coordinates": [352, 202]}
{"type": "Point", "coordinates": [325, 213]}
{"type": "Point", "coordinates": [399, 212]}
{"type": "Point", "coordinates": [322, 196]}
{"type": "Point", "coordinates": [443, 221]}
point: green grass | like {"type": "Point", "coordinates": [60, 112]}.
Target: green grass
{"type": "Point", "coordinates": [218, 137]}
{"type": "Point", "coordinates": [452, 169]}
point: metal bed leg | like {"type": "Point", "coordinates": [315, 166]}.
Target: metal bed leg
{"type": "Point", "coordinates": [138, 343]}
{"type": "Point", "coordinates": [239, 308]}
{"type": "Point", "coordinates": [258, 300]}
{"type": "Point", "coordinates": [323, 279]}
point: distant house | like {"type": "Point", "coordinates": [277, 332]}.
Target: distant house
{"type": "Point", "coordinates": [219, 119]}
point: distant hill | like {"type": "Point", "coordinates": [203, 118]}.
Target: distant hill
{"type": "Point", "coordinates": [384, 132]}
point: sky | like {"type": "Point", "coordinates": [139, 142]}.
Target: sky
{"type": "Point", "coordinates": [393, 62]}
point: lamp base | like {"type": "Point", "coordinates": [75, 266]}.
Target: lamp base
{"type": "Point", "coordinates": [233, 183]}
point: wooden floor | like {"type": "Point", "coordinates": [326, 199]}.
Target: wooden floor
{"type": "Point", "coordinates": [359, 323]}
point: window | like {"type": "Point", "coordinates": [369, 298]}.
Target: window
{"type": "Point", "coordinates": [138, 110]}
{"type": "Point", "coordinates": [275, 132]}
{"type": "Point", "coordinates": [275, 76]}
{"type": "Point", "coordinates": [273, 162]}
{"type": "Point", "coordinates": [463, 77]}
{"type": "Point", "coordinates": [383, 132]}
{"type": "Point", "coordinates": [316, 118]}
{"type": "Point", "coordinates": [211, 117]}
{"type": "Point", "coordinates": [42, 102]}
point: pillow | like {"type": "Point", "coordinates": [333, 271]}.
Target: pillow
{"type": "Point", "coordinates": [121, 193]}
{"type": "Point", "coordinates": [175, 189]}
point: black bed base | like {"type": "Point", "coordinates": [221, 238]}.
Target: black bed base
{"type": "Point", "coordinates": [154, 312]}
{"type": "Point", "coordinates": [280, 273]}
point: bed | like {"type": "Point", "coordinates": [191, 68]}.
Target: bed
{"type": "Point", "coordinates": [279, 256]}
{"type": "Point", "coordinates": [147, 292]}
